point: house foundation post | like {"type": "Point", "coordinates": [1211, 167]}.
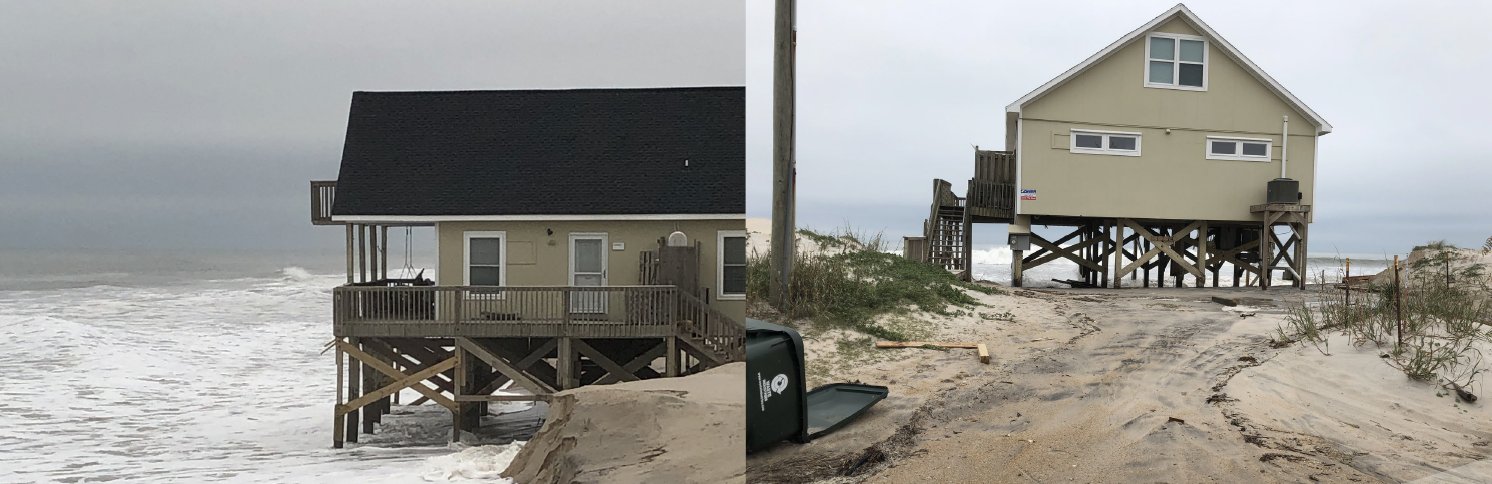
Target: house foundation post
{"type": "Point", "coordinates": [1119, 255]}
{"type": "Point", "coordinates": [1202, 255]}
{"type": "Point", "coordinates": [354, 381]}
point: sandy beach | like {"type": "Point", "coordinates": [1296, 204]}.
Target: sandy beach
{"type": "Point", "coordinates": [1130, 385]}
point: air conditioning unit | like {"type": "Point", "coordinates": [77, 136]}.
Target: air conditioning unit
{"type": "Point", "coordinates": [1283, 190]}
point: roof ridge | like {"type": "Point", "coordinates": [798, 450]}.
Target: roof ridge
{"type": "Point", "coordinates": [562, 89]}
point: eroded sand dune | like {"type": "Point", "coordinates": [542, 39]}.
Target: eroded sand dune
{"type": "Point", "coordinates": [685, 429]}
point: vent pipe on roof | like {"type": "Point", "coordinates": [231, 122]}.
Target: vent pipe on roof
{"type": "Point", "coordinates": [1285, 147]}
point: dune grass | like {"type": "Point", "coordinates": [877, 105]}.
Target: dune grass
{"type": "Point", "coordinates": [852, 285]}
{"type": "Point", "coordinates": [1430, 324]}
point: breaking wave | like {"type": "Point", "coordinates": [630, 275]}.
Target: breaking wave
{"type": "Point", "coordinates": [294, 273]}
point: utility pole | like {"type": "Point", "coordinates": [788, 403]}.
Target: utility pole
{"type": "Point", "coordinates": [784, 167]}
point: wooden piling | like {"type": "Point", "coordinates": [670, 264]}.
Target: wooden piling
{"type": "Point", "coordinates": [369, 383]}
{"type": "Point", "coordinates": [1016, 267]}
{"type": "Point", "coordinates": [1202, 255]}
{"type": "Point", "coordinates": [354, 380]}
{"type": "Point", "coordinates": [1119, 254]}
{"type": "Point", "coordinates": [460, 385]}
{"type": "Point", "coordinates": [671, 362]}
{"type": "Point", "coordinates": [337, 422]}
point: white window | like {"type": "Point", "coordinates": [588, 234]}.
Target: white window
{"type": "Point", "coordinates": [486, 254]}
{"type": "Point", "coordinates": [1245, 149]}
{"type": "Point", "coordinates": [1105, 142]}
{"type": "Point", "coordinates": [1176, 61]}
{"type": "Point", "coordinates": [731, 278]}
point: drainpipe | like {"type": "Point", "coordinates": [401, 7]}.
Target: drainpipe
{"type": "Point", "coordinates": [1285, 147]}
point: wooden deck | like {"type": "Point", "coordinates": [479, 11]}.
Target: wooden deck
{"type": "Point", "coordinates": [457, 345]}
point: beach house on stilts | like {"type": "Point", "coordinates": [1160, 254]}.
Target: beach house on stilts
{"type": "Point", "coordinates": [584, 237]}
{"type": "Point", "coordinates": [1166, 151]}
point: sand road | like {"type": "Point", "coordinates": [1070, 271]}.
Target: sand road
{"type": "Point", "coordinates": [1136, 385]}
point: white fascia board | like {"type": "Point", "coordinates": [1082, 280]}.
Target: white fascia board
{"type": "Point", "coordinates": [526, 218]}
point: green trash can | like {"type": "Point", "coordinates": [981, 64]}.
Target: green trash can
{"type": "Point", "coordinates": [777, 406]}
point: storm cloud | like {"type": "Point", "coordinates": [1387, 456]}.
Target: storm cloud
{"type": "Point", "coordinates": [197, 124]}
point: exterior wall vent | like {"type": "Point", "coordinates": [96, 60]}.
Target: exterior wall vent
{"type": "Point", "coordinates": [678, 239]}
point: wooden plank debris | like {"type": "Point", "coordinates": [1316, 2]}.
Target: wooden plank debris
{"type": "Point", "coordinates": [1225, 301]}
{"type": "Point", "coordinates": [919, 344]}
{"type": "Point", "coordinates": [980, 348]}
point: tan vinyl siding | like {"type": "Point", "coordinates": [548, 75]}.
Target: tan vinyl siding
{"type": "Point", "coordinates": [1172, 179]}
{"type": "Point", "coordinates": [538, 259]}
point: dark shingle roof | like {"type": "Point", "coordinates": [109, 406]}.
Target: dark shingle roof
{"type": "Point", "coordinates": [544, 152]}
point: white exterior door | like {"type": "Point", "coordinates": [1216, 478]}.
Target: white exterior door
{"type": "Point", "coordinates": [588, 269]}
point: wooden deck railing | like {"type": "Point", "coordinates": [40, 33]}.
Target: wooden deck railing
{"type": "Point", "coordinates": [611, 306]}
{"type": "Point", "coordinates": [991, 199]}
{"type": "Point", "coordinates": [723, 334]}
{"type": "Point", "coordinates": [994, 166]}
{"type": "Point", "coordinates": [992, 191]}
{"type": "Point", "coordinates": [323, 193]}
{"type": "Point", "coordinates": [623, 305]}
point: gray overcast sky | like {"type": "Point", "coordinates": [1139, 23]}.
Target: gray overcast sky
{"type": "Point", "coordinates": [198, 124]}
{"type": "Point", "coordinates": [892, 94]}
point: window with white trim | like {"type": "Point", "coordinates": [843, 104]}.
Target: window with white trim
{"type": "Point", "coordinates": [1243, 149]}
{"type": "Point", "coordinates": [485, 257]}
{"type": "Point", "coordinates": [1105, 142]}
{"type": "Point", "coordinates": [1176, 61]}
{"type": "Point", "coordinates": [730, 279]}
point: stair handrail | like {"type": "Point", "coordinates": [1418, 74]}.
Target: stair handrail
{"type": "Point", "coordinates": [717, 330]}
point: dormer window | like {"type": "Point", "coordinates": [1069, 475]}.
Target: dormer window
{"type": "Point", "coordinates": [1176, 61]}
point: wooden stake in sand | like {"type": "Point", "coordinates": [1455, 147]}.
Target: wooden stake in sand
{"type": "Point", "coordinates": [1398, 305]}
{"type": "Point", "coordinates": [1347, 284]}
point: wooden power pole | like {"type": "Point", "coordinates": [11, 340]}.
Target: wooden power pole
{"type": "Point", "coordinates": [783, 165]}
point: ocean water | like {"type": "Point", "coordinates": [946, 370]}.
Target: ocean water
{"type": "Point", "coordinates": [992, 263]}
{"type": "Point", "coordinates": [192, 367]}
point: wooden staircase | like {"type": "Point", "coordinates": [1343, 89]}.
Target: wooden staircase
{"type": "Point", "coordinates": [946, 230]}
{"type": "Point", "coordinates": [946, 238]}
{"type": "Point", "coordinates": [708, 334]}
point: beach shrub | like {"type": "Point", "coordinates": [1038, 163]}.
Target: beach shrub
{"type": "Point", "coordinates": [852, 287]}
{"type": "Point", "coordinates": [1430, 324]}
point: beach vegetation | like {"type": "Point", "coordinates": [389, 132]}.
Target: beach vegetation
{"type": "Point", "coordinates": [1432, 324]}
{"type": "Point", "coordinates": [850, 288]}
